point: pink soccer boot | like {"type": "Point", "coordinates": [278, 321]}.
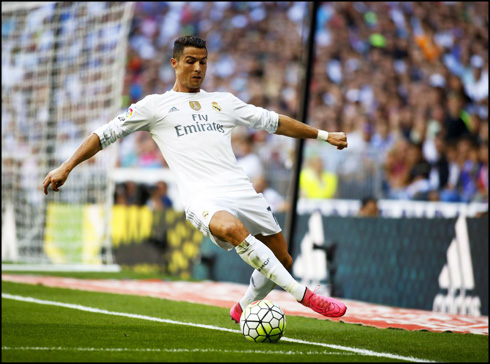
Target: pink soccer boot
{"type": "Point", "coordinates": [326, 306]}
{"type": "Point", "coordinates": [236, 312]}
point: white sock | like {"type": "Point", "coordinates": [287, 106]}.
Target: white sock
{"type": "Point", "coordinates": [259, 256]}
{"type": "Point", "coordinates": [258, 289]}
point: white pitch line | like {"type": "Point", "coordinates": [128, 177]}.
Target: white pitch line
{"type": "Point", "coordinates": [226, 351]}
{"type": "Point", "coordinates": [167, 321]}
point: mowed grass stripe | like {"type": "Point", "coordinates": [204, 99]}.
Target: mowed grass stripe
{"type": "Point", "coordinates": [358, 351]}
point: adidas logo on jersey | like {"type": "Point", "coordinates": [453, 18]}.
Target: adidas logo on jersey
{"type": "Point", "coordinates": [173, 109]}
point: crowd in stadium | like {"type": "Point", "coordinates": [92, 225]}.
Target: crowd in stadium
{"type": "Point", "coordinates": [406, 81]}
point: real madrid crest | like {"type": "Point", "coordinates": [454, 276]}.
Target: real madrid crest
{"type": "Point", "coordinates": [195, 105]}
{"type": "Point", "coordinates": [215, 106]}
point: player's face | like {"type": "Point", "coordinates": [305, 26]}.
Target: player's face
{"type": "Point", "coordinates": [190, 69]}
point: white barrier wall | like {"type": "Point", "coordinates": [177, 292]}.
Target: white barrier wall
{"type": "Point", "coordinates": [393, 208]}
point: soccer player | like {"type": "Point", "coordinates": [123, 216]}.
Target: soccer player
{"type": "Point", "coordinates": [193, 128]}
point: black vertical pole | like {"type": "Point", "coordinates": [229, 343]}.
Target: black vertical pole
{"type": "Point", "coordinates": [303, 116]}
{"type": "Point", "coordinates": [52, 122]}
{"type": "Point", "coordinates": [51, 125]}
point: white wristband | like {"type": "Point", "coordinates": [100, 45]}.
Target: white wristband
{"type": "Point", "coordinates": [322, 135]}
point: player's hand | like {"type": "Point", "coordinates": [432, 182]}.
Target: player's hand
{"type": "Point", "coordinates": [56, 178]}
{"type": "Point", "coordinates": [338, 139]}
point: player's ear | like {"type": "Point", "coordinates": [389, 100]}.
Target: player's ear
{"type": "Point", "coordinates": [173, 62]}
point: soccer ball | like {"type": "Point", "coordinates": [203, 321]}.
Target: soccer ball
{"type": "Point", "coordinates": [263, 321]}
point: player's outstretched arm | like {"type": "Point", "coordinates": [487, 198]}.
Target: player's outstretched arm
{"type": "Point", "coordinates": [58, 176]}
{"type": "Point", "coordinates": [296, 129]}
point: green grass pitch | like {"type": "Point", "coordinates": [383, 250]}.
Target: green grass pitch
{"type": "Point", "coordinates": [126, 328]}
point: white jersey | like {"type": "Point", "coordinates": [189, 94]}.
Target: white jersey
{"type": "Point", "coordinates": [193, 132]}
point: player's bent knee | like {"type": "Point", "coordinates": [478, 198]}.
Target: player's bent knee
{"type": "Point", "coordinates": [227, 227]}
{"type": "Point", "coordinates": [231, 228]}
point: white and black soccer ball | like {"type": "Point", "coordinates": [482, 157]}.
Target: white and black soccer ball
{"type": "Point", "coordinates": [263, 321]}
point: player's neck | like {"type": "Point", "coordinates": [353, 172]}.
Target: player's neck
{"type": "Point", "coordinates": [181, 88]}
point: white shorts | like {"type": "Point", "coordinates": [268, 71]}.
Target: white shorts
{"type": "Point", "coordinates": [250, 208]}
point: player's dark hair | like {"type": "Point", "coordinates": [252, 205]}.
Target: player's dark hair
{"type": "Point", "coordinates": [187, 41]}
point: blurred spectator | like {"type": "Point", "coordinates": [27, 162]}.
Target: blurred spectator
{"type": "Point", "coordinates": [120, 195]}
{"type": "Point", "coordinates": [454, 124]}
{"type": "Point", "coordinates": [128, 156]}
{"type": "Point", "coordinates": [418, 183]}
{"type": "Point", "coordinates": [383, 139]}
{"type": "Point", "coordinates": [482, 184]}
{"type": "Point", "coordinates": [315, 182]}
{"type": "Point", "coordinates": [149, 154]}
{"type": "Point", "coordinates": [396, 169]}
{"type": "Point", "coordinates": [130, 193]}
{"type": "Point", "coordinates": [434, 131]}
{"type": "Point", "coordinates": [275, 200]}
{"type": "Point", "coordinates": [369, 207]}
{"type": "Point", "coordinates": [159, 199]}
{"type": "Point", "coordinates": [476, 79]}
{"type": "Point", "coordinates": [439, 173]}
{"type": "Point", "coordinates": [449, 193]}
{"type": "Point", "coordinates": [470, 168]}
{"type": "Point", "coordinates": [483, 133]}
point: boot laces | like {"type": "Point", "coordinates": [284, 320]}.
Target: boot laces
{"type": "Point", "coordinates": [320, 301]}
